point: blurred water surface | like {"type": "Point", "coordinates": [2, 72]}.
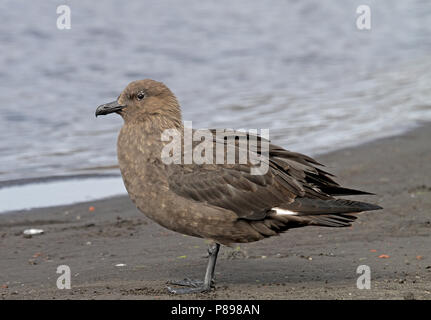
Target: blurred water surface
{"type": "Point", "coordinates": [300, 68]}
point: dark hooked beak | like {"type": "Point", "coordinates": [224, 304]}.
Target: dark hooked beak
{"type": "Point", "coordinates": [109, 108]}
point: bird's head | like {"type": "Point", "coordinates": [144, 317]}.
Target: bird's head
{"type": "Point", "coordinates": [144, 100]}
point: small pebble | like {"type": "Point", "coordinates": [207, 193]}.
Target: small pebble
{"type": "Point", "coordinates": [120, 265]}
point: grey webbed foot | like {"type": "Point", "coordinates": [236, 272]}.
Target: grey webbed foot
{"type": "Point", "coordinates": [187, 282]}
{"type": "Point", "coordinates": [193, 286]}
{"type": "Point", "coordinates": [198, 289]}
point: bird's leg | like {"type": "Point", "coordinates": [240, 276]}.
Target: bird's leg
{"type": "Point", "coordinates": [212, 259]}
{"type": "Point", "coordinates": [199, 286]}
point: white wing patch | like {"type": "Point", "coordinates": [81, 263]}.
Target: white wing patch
{"type": "Point", "coordinates": [284, 212]}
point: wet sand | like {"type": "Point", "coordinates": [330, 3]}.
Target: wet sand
{"type": "Point", "coordinates": [307, 263]}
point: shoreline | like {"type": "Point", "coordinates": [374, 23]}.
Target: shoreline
{"type": "Point", "coordinates": [54, 178]}
{"type": "Point", "coordinates": [310, 263]}
{"type": "Point", "coordinates": [22, 182]}
{"type": "Point", "coordinates": [109, 173]}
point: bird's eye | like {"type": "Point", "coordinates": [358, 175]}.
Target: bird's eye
{"type": "Point", "coordinates": [140, 95]}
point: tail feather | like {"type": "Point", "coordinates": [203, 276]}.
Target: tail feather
{"type": "Point", "coordinates": [310, 212]}
{"type": "Point", "coordinates": [307, 206]}
{"type": "Point", "coordinates": [285, 222]}
{"type": "Point", "coordinates": [335, 220]}
{"type": "Point", "coordinates": [326, 212]}
{"type": "Point", "coordinates": [334, 190]}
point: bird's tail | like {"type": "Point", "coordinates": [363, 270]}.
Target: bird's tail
{"type": "Point", "coordinates": [326, 213]}
{"type": "Point", "coordinates": [310, 212]}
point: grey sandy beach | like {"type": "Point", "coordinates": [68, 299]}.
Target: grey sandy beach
{"type": "Point", "coordinates": [115, 252]}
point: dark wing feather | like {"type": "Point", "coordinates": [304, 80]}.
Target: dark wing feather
{"type": "Point", "coordinates": [233, 188]}
{"type": "Point", "coordinates": [293, 181]}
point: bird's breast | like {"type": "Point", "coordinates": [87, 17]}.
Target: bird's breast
{"type": "Point", "coordinates": [139, 158]}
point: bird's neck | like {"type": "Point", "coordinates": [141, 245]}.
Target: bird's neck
{"type": "Point", "coordinates": [139, 150]}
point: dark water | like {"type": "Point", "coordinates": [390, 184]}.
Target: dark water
{"type": "Point", "coordinates": [300, 68]}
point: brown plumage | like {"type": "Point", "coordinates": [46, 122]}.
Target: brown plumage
{"type": "Point", "coordinates": [224, 203]}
